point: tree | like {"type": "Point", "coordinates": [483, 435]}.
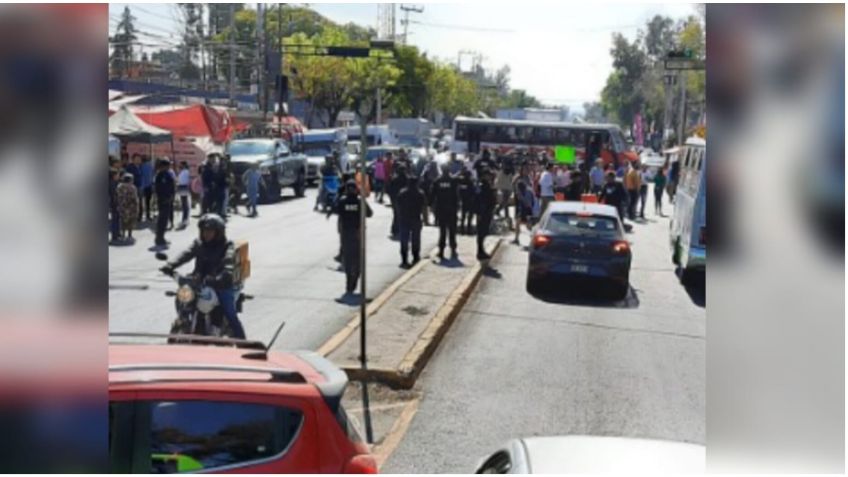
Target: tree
{"type": "Point", "coordinates": [369, 77]}
{"type": "Point", "coordinates": [192, 33]}
{"type": "Point", "coordinates": [594, 113]}
{"type": "Point", "coordinates": [410, 94]}
{"type": "Point", "coordinates": [122, 49]}
{"type": "Point", "coordinates": [623, 95]}
{"type": "Point", "coordinates": [324, 81]}
{"type": "Point", "coordinates": [518, 98]}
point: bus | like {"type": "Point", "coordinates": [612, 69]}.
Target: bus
{"type": "Point", "coordinates": [688, 227]}
{"type": "Point", "coordinates": [606, 141]}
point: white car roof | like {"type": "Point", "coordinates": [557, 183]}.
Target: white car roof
{"type": "Point", "coordinates": [599, 454]}
{"type": "Point", "coordinates": [582, 207]}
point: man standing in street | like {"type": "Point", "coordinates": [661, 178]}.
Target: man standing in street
{"type": "Point", "coordinates": [147, 173]}
{"type": "Point", "coordinates": [632, 183]}
{"type": "Point", "coordinates": [445, 196]}
{"type": "Point", "coordinates": [252, 180]}
{"type": "Point", "coordinates": [486, 202]}
{"type": "Point", "coordinates": [503, 182]}
{"type": "Point", "coordinates": [546, 186]}
{"type": "Point", "coordinates": [348, 210]}
{"type": "Point", "coordinates": [184, 192]}
{"type": "Point", "coordinates": [484, 162]}
{"type": "Point", "coordinates": [466, 197]}
{"type": "Point", "coordinates": [596, 177]}
{"type": "Point", "coordinates": [209, 186]}
{"type": "Point", "coordinates": [412, 205]}
{"type": "Point", "coordinates": [165, 187]}
{"type": "Point", "coordinates": [397, 183]}
{"type": "Point", "coordinates": [613, 194]}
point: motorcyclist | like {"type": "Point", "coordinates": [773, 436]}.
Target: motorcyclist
{"type": "Point", "coordinates": [327, 170]}
{"type": "Point", "coordinates": [215, 263]}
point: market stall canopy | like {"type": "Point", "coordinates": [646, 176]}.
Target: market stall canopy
{"type": "Point", "coordinates": [124, 124]}
{"type": "Point", "coordinates": [189, 120]}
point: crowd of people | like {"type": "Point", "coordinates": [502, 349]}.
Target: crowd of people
{"type": "Point", "coordinates": [142, 187]}
{"type": "Point", "coordinates": [460, 196]}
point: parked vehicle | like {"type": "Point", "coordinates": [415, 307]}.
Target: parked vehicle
{"type": "Point", "coordinates": [317, 144]}
{"type": "Point", "coordinates": [688, 226]}
{"type": "Point", "coordinates": [412, 133]}
{"type": "Point", "coordinates": [376, 135]}
{"type": "Point", "coordinates": [234, 407]}
{"type": "Point", "coordinates": [579, 241]}
{"type": "Point", "coordinates": [279, 167]}
{"type": "Point", "coordinates": [595, 455]}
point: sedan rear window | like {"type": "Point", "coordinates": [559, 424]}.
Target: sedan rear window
{"type": "Point", "coordinates": [569, 223]}
{"type": "Point", "coordinates": [190, 436]}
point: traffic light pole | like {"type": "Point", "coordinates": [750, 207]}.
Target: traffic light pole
{"type": "Point", "coordinates": [681, 127]}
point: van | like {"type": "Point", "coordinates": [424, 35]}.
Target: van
{"type": "Point", "coordinates": [688, 227]}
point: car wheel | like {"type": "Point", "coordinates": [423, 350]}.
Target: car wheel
{"type": "Point", "coordinates": [300, 186]}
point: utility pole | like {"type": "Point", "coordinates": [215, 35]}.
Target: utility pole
{"type": "Point", "coordinates": [260, 57]}
{"type": "Point", "coordinates": [280, 74]}
{"type": "Point", "coordinates": [406, 11]}
{"type": "Point", "coordinates": [670, 81]}
{"type": "Point", "coordinates": [681, 127]}
{"type": "Point", "coordinates": [232, 55]}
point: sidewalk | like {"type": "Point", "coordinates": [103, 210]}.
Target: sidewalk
{"type": "Point", "coordinates": [406, 323]}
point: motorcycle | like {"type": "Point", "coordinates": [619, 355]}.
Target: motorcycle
{"type": "Point", "coordinates": [199, 311]}
{"type": "Point", "coordinates": [331, 191]}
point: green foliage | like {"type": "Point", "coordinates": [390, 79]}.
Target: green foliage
{"type": "Point", "coordinates": [636, 83]}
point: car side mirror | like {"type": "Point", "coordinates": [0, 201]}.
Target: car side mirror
{"type": "Point", "coordinates": [161, 256]}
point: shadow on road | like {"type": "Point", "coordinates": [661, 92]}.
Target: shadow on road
{"type": "Point", "coordinates": [490, 272]}
{"type": "Point", "coordinates": [449, 263]}
{"type": "Point", "coordinates": [696, 288]}
{"type": "Point", "coordinates": [583, 295]}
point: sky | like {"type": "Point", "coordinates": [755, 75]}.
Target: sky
{"type": "Point", "coordinates": [558, 52]}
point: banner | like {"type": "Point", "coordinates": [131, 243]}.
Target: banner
{"type": "Point", "coordinates": [564, 154]}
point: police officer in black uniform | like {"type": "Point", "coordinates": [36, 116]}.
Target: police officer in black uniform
{"type": "Point", "coordinates": [486, 202]}
{"type": "Point", "coordinates": [444, 195]}
{"type": "Point", "coordinates": [348, 210]}
{"type": "Point", "coordinates": [466, 197]}
{"type": "Point", "coordinates": [412, 206]}
{"type": "Point", "coordinates": [165, 187]}
{"type": "Point", "coordinates": [396, 183]}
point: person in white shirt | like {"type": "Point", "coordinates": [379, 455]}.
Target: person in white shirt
{"type": "Point", "coordinates": [546, 186]}
{"type": "Point", "coordinates": [184, 191]}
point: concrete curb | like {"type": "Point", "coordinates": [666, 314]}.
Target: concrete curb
{"type": "Point", "coordinates": [337, 339]}
{"type": "Point", "coordinates": [416, 358]}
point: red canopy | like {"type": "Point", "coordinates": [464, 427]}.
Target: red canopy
{"type": "Point", "coordinates": [189, 121]}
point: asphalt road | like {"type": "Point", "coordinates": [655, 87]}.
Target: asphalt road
{"type": "Point", "coordinates": [294, 277]}
{"type": "Point", "coordinates": [514, 365]}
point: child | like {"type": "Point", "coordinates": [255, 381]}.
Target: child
{"type": "Point", "coordinates": [128, 203]}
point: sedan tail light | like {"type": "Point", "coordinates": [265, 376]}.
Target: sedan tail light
{"type": "Point", "coordinates": [621, 247]}
{"type": "Point", "coordinates": [361, 464]}
{"type": "Point", "coordinates": [541, 240]}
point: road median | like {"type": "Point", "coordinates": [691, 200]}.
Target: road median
{"type": "Point", "coordinates": [408, 320]}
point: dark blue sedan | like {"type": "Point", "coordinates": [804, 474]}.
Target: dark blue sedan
{"type": "Point", "coordinates": [582, 242]}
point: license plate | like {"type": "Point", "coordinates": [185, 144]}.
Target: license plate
{"type": "Point", "coordinates": [580, 268]}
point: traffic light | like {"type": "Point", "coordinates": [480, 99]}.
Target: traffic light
{"type": "Point", "coordinates": [348, 51]}
{"type": "Point", "coordinates": [686, 54]}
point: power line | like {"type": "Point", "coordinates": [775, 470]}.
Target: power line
{"type": "Point", "coordinates": [462, 27]}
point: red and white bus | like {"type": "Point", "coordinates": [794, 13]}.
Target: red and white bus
{"type": "Point", "coordinates": [471, 135]}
